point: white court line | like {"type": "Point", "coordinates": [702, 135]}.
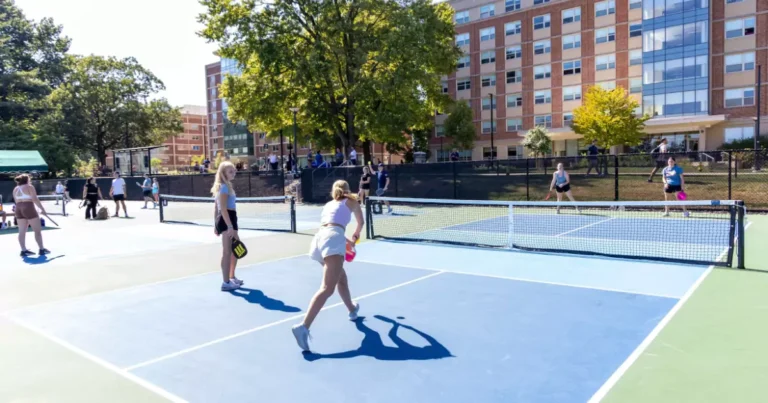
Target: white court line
{"type": "Point", "coordinates": [523, 280]}
{"type": "Point", "coordinates": [268, 325]}
{"type": "Point", "coordinates": [584, 226]}
{"type": "Point", "coordinates": [611, 382]}
{"type": "Point", "coordinates": [125, 374]}
{"type": "Point", "coordinates": [137, 286]}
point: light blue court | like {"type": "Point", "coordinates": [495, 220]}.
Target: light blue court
{"type": "Point", "coordinates": [441, 324]}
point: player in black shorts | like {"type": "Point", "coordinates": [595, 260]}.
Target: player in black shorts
{"type": "Point", "coordinates": [561, 183]}
{"type": "Point", "coordinates": [365, 185]}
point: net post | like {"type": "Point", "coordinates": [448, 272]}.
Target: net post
{"type": "Point", "coordinates": [510, 226]}
{"type": "Point", "coordinates": [730, 169]}
{"type": "Point", "coordinates": [740, 236]}
{"type": "Point", "coordinates": [615, 177]}
{"type": "Point", "coordinates": [527, 179]}
{"type": "Point", "coordinates": [161, 199]}
{"type": "Point", "coordinates": [293, 213]}
{"type": "Point", "coordinates": [368, 221]}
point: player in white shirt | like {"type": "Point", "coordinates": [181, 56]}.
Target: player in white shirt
{"type": "Point", "coordinates": [118, 193]}
{"type": "Point", "coordinates": [59, 192]}
{"type": "Point", "coordinates": [353, 157]}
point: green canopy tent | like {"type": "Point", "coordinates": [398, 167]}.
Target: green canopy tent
{"type": "Point", "coordinates": [21, 161]}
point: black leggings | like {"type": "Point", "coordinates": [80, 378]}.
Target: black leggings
{"type": "Point", "coordinates": [90, 208]}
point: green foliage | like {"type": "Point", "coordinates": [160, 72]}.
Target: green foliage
{"type": "Point", "coordinates": [537, 141]}
{"type": "Point", "coordinates": [608, 116]}
{"type": "Point", "coordinates": [103, 105]}
{"type": "Point", "coordinates": [745, 144]}
{"type": "Point", "coordinates": [357, 69]}
{"type": "Point", "coordinates": [85, 168]}
{"type": "Point", "coordinates": [155, 163]}
{"type": "Point", "coordinates": [459, 126]}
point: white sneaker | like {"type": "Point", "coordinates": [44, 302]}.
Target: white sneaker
{"type": "Point", "coordinates": [229, 286]}
{"type": "Point", "coordinates": [301, 334]}
{"type": "Point", "coordinates": [666, 214]}
{"type": "Point", "coordinates": [686, 214]}
{"type": "Point", "coordinates": [353, 314]}
{"type": "Point", "coordinates": [3, 226]}
{"type": "Point", "coordinates": [236, 281]}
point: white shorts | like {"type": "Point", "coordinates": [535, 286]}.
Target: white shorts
{"type": "Point", "coordinates": [328, 241]}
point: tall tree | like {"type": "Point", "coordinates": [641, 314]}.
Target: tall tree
{"type": "Point", "coordinates": [608, 116]}
{"type": "Point", "coordinates": [104, 105]}
{"type": "Point", "coordinates": [33, 62]}
{"type": "Point", "coordinates": [537, 141]}
{"type": "Point", "coordinates": [459, 126]}
{"type": "Point", "coordinates": [358, 69]}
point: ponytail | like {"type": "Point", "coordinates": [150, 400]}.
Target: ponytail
{"type": "Point", "coordinates": [340, 190]}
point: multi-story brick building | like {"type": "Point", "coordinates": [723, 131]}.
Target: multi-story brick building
{"type": "Point", "coordinates": [690, 64]}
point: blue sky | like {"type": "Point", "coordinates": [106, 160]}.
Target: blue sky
{"type": "Point", "coordinates": [160, 34]}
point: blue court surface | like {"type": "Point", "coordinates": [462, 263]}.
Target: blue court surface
{"type": "Point", "coordinates": [440, 324]}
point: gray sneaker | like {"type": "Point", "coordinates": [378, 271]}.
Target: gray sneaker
{"type": "Point", "coordinates": [301, 334]}
{"type": "Point", "coordinates": [353, 314]}
{"type": "Point", "coordinates": [229, 286]}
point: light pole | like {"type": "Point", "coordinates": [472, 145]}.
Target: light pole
{"type": "Point", "coordinates": [492, 150]}
{"type": "Point", "coordinates": [756, 166]}
{"type": "Point", "coordinates": [295, 147]}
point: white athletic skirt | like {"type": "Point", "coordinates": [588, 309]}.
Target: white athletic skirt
{"type": "Point", "coordinates": [328, 241]}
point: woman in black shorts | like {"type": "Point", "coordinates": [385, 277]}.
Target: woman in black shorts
{"type": "Point", "coordinates": [365, 185]}
{"type": "Point", "coordinates": [225, 217]}
{"type": "Point", "coordinates": [561, 182]}
{"type": "Point", "coordinates": [92, 195]}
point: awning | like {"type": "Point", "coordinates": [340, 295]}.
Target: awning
{"type": "Point", "coordinates": [22, 161]}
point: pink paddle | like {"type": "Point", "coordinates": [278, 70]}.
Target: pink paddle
{"type": "Point", "coordinates": [351, 252]}
{"type": "Point", "coordinates": [681, 196]}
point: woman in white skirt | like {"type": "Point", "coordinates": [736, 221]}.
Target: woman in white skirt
{"type": "Point", "coordinates": [328, 248]}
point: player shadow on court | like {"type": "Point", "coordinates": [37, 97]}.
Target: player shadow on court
{"type": "Point", "coordinates": [372, 345]}
{"type": "Point", "coordinates": [40, 259]}
{"type": "Point", "coordinates": [258, 297]}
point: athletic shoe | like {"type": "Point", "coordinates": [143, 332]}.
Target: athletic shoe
{"type": "Point", "coordinates": [666, 214]}
{"type": "Point", "coordinates": [353, 314]}
{"type": "Point", "coordinates": [686, 214]}
{"type": "Point", "coordinates": [229, 286]}
{"type": "Point", "coordinates": [236, 281]}
{"type": "Point", "coordinates": [3, 226]}
{"type": "Point", "coordinates": [389, 210]}
{"type": "Point", "coordinates": [301, 334]}
{"type": "Point", "coordinates": [144, 208]}
{"type": "Point", "coordinates": [26, 253]}
{"type": "Point", "coordinates": [44, 252]}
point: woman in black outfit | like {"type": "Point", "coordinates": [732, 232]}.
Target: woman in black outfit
{"type": "Point", "coordinates": [92, 194]}
{"type": "Point", "coordinates": [365, 185]}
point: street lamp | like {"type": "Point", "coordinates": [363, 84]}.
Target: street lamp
{"type": "Point", "coordinates": [295, 147]}
{"type": "Point", "coordinates": [492, 124]}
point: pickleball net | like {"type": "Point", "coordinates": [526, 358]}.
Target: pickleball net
{"type": "Point", "coordinates": [53, 204]}
{"type": "Point", "coordinates": [710, 234]}
{"type": "Point", "coordinates": [256, 213]}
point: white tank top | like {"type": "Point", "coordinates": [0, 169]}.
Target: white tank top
{"type": "Point", "coordinates": [336, 212]}
{"type": "Point", "coordinates": [19, 194]}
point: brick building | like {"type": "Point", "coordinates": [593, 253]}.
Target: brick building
{"type": "Point", "coordinates": [690, 66]}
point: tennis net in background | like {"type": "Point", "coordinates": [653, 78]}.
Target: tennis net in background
{"type": "Point", "coordinates": [636, 230]}
{"type": "Point", "coordinates": [256, 213]}
{"type": "Point", "coordinates": [53, 204]}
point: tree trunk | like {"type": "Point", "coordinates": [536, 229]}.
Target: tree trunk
{"type": "Point", "coordinates": [367, 150]}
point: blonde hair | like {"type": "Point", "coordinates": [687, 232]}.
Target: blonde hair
{"type": "Point", "coordinates": [221, 179]}
{"type": "Point", "coordinates": [340, 190]}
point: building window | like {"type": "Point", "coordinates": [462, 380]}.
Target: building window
{"type": "Point", "coordinates": [605, 62]}
{"type": "Point", "coordinates": [487, 124]}
{"type": "Point", "coordinates": [635, 57]}
{"type": "Point", "coordinates": [740, 27]}
{"type": "Point", "coordinates": [604, 8]}
{"type": "Point", "coordinates": [515, 152]}
{"type": "Point", "coordinates": [487, 105]}
{"type": "Point", "coordinates": [541, 22]}
{"type": "Point", "coordinates": [545, 121]}
{"type": "Point", "coordinates": [542, 97]}
{"type": "Point", "coordinates": [487, 11]}
{"type": "Point", "coordinates": [572, 67]}
{"type": "Point", "coordinates": [439, 131]}
{"type": "Point", "coordinates": [542, 47]}
{"type": "Point", "coordinates": [212, 81]}
{"type": "Point", "coordinates": [607, 85]}
{"type": "Point", "coordinates": [740, 62]}
{"type": "Point", "coordinates": [195, 148]}
{"type": "Point", "coordinates": [571, 41]}
{"type": "Point", "coordinates": [462, 17]}
{"type": "Point", "coordinates": [567, 119]}
{"type": "Point", "coordinates": [512, 28]}
{"type": "Point", "coordinates": [511, 5]}
{"type": "Point", "coordinates": [739, 133]}
{"type": "Point", "coordinates": [571, 15]}
{"type": "Point", "coordinates": [635, 4]}
{"type": "Point", "coordinates": [463, 84]}
{"type": "Point", "coordinates": [487, 153]}
{"type": "Point", "coordinates": [670, 70]}
{"type": "Point", "coordinates": [514, 101]}
{"type": "Point", "coordinates": [679, 35]}
{"type": "Point", "coordinates": [488, 81]}
{"type": "Point", "coordinates": [463, 62]}
{"type": "Point", "coordinates": [445, 86]}
{"type": "Point", "coordinates": [194, 126]}
{"type": "Point", "coordinates": [213, 93]}
{"type": "Point", "coordinates": [676, 104]}
{"type": "Point", "coordinates": [514, 125]}
{"type": "Point", "coordinates": [514, 52]}
{"type": "Point", "coordinates": [515, 76]}
{"type": "Point", "coordinates": [739, 97]}
{"type": "Point", "coordinates": [605, 35]}
{"type": "Point", "coordinates": [733, 1]}
{"type": "Point", "coordinates": [635, 85]}
{"type": "Point", "coordinates": [488, 57]}
{"type": "Point", "coordinates": [541, 72]}
{"type": "Point", "coordinates": [487, 34]}
{"type": "Point", "coordinates": [572, 93]}
{"type": "Point", "coordinates": [462, 39]}
{"type": "Point", "coordinates": [635, 29]}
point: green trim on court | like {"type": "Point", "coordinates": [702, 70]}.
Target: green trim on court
{"type": "Point", "coordinates": [715, 348]}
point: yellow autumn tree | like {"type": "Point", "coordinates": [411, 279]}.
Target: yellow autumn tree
{"type": "Point", "coordinates": [608, 116]}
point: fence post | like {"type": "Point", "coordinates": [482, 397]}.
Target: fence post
{"type": "Point", "coordinates": [396, 171]}
{"type": "Point", "coordinates": [455, 185]}
{"type": "Point", "coordinates": [527, 179]}
{"type": "Point", "coordinates": [730, 169]}
{"type": "Point", "coordinates": [616, 177]}
{"type": "Point", "coordinates": [192, 185]}
{"type": "Point", "coordinates": [250, 176]}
